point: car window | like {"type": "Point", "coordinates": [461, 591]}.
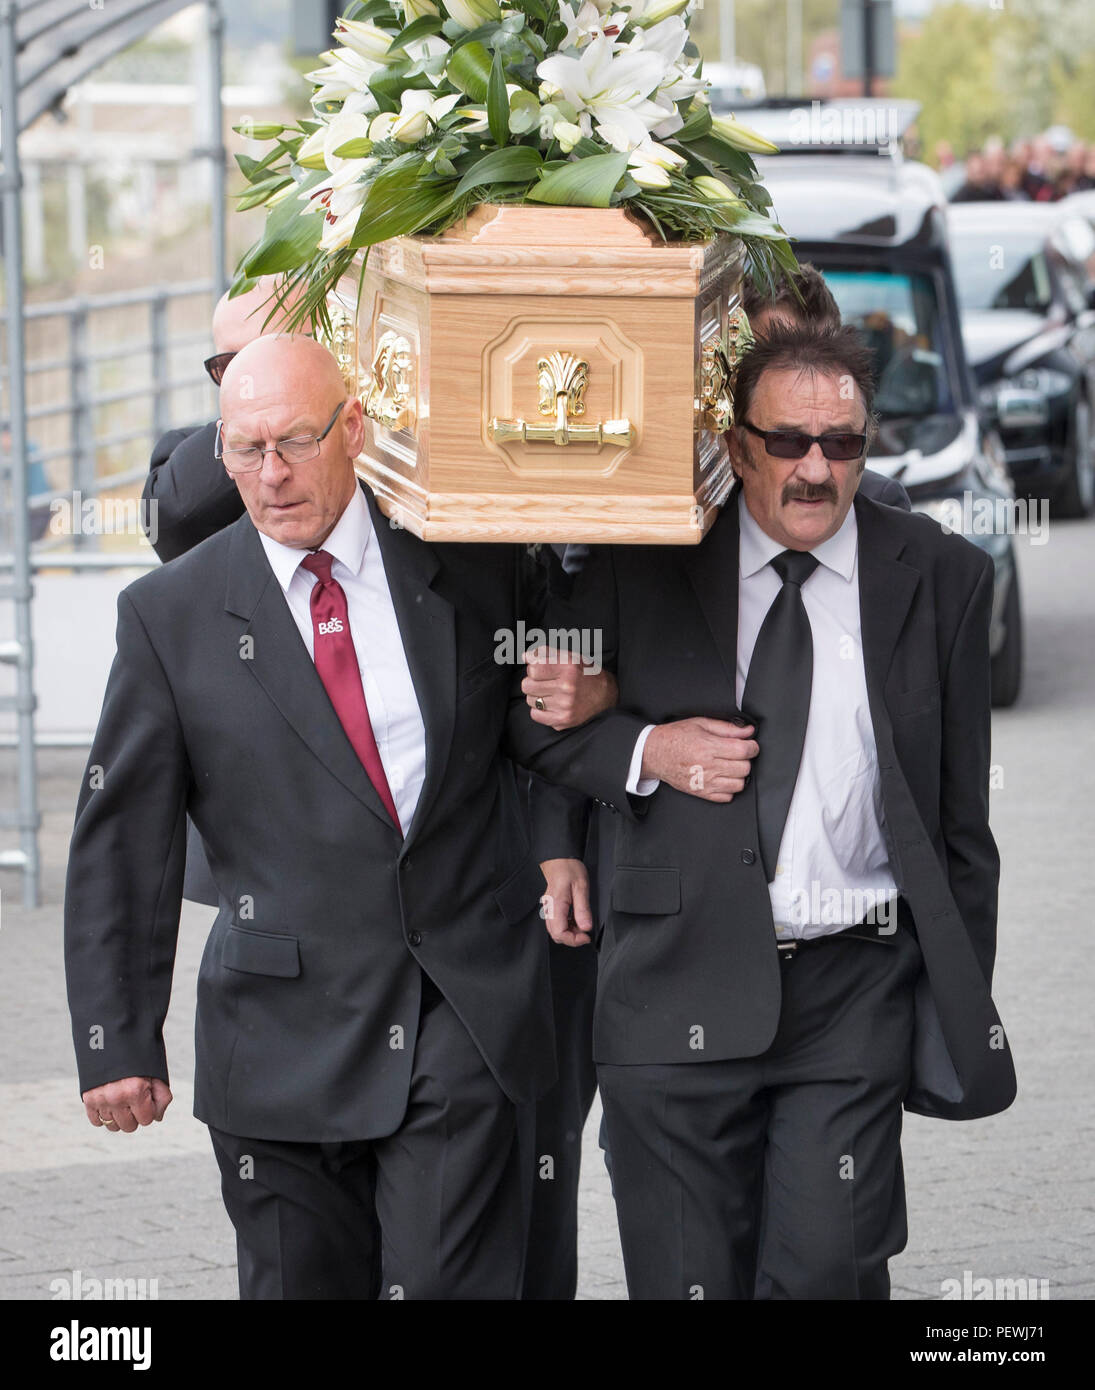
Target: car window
{"type": "Point", "coordinates": [899, 317]}
{"type": "Point", "coordinates": [1004, 268]}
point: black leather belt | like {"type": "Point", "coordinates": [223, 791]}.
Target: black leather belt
{"type": "Point", "coordinates": [881, 933]}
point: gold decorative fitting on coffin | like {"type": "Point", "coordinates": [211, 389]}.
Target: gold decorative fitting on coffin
{"type": "Point", "coordinates": [739, 337]}
{"type": "Point", "coordinates": [562, 379]}
{"type": "Point", "coordinates": [715, 405]}
{"type": "Point", "coordinates": [342, 341]}
{"type": "Point", "coordinates": [390, 399]}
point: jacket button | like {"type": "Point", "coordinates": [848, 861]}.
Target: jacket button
{"type": "Point", "coordinates": [748, 857]}
{"type": "Point", "coordinates": [415, 938]}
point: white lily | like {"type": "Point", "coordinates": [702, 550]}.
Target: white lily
{"type": "Point", "coordinates": [610, 88]}
{"type": "Point", "coordinates": [340, 198]}
{"type": "Point", "coordinates": [418, 110]}
{"type": "Point", "coordinates": [418, 9]}
{"type": "Point", "coordinates": [359, 104]}
{"type": "Point", "coordinates": [346, 73]}
{"type": "Point", "coordinates": [422, 50]}
{"type": "Point", "coordinates": [650, 164]}
{"type": "Point", "coordinates": [648, 12]}
{"type": "Point", "coordinates": [587, 21]}
{"type": "Point", "coordinates": [369, 40]}
{"type": "Point", "coordinates": [341, 130]}
{"type": "Point", "coordinates": [470, 14]}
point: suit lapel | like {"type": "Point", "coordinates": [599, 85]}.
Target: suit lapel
{"type": "Point", "coordinates": [279, 661]}
{"type": "Point", "coordinates": [886, 588]}
{"type": "Point", "coordinates": [712, 569]}
{"type": "Point", "coordinates": [427, 625]}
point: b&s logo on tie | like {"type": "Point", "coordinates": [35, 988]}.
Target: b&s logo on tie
{"type": "Point", "coordinates": [335, 625]}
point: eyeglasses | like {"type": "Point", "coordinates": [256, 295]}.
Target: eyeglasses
{"type": "Point", "coordinates": [840, 446]}
{"type": "Point", "coordinates": [217, 365]}
{"type": "Point", "coordinates": [250, 459]}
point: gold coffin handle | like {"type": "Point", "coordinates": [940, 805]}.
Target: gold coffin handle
{"type": "Point", "coordinates": [562, 379]}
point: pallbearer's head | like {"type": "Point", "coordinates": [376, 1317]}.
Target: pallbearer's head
{"type": "Point", "coordinates": [802, 297]}
{"type": "Point", "coordinates": [287, 387]}
{"type": "Point", "coordinates": [802, 380]}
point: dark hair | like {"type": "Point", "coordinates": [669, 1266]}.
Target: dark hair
{"type": "Point", "coordinates": [834, 350]}
{"type": "Point", "coordinates": [813, 304]}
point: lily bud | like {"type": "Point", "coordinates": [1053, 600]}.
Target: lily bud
{"type": "Point", "coordinates": [567, 135]}
{"type": "Point", "coordinates": [714, 190]}
{"type": "Point", "coordinates": [470, 14]}
{"type": "Point", "coordinates": [731, 130]}
{"type": "Point", "coordinates": [368, 40]}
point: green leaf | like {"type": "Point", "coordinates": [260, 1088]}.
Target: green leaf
{"type": "Point", "coordinates": [585, 183]}
{"type": "Point", "coordinates": [587, 148]}
{"type": "Point", "coordinates": [733, 161]}
{"type": "Point", "coordinates": [533, 9]}
{"type": "Point", "coordinates": [398, 204]}
{"type": "Point", "coordinates": [498, 102]}
{"type": "Point", "coordinates": [514, 164]}
{"type": "Point", "coordinates": [697, 123]}
{"type": "Point", "coordinates": [290, 236]}
{"type": "Point", "coordinates": [388, 84]}
{"type": "Point", "coordinates": [372, 9]}
{"type": "Point", "coordinates": [420, 29]}
{"type": "Point", "coordinates": [469, 70]}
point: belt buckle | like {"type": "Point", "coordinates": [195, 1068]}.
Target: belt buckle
{"type": "Point", "coordinates": [787, 950]}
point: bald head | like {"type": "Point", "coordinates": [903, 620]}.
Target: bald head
{"type": "Point", "coordinates": [288, 387]}
{"type": "Point", "coordinates": [237, 322]}
{"type": "Point", "coordinates": [283, 367]}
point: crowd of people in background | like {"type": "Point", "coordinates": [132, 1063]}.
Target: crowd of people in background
{"type": "Point", "coordinates": [1041, 170]}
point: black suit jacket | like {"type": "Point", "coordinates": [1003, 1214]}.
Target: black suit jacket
{"type": "Point", "coordinates": [689, 937]}
{"type": "Point", "coordinates": [309, 986]}
{"type": "Point", "coordinates": [194, 497]}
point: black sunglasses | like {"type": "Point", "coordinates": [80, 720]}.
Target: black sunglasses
{"type": "Point", "coordinates": [217, 365]}
{"type": "Point", "coordinates": [840, 446]}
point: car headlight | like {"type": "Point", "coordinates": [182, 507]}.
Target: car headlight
{"type": "Point", "coordinates": [1047, 380]}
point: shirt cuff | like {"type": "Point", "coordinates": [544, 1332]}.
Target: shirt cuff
{"type": "Point", "coordinates": [637, 785]}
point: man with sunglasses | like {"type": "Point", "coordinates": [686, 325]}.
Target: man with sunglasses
{"type": "Point", "coordinates": [187, 485]}
{"type": "Point", "coordinates": [784, 967]}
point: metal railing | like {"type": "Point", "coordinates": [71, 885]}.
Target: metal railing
{"type": "Point", "coordinates": [151, 392]}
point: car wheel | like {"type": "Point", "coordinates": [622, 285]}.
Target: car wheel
{"type": "Point", "coordinates": [1076, 495]}
{"type": "Point", "coordinates": [1007, 664]}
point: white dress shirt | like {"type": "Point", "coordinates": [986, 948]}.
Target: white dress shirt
{"type": "Point", "coordinates": [385, 676]}
{"type": "Point", "coordinates": [832, 865]}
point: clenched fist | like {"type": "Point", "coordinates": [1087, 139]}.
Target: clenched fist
{"type": "Point", "coordinates": [570, 693]}
{"type": "Point", "coordinates": [708, 758]}
{"type": "Point", "coordinates": [126, 1104]}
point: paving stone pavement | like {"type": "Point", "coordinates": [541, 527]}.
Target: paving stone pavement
{"type": "Point", "coordinates": [1010, 1197]}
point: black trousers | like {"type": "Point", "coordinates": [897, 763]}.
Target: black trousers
{"type": "Point", "coordinates": [778, 1176]}
{"type": "Point", "coordinates": [551, 1266]}
{"type": "Point", "coordinates": [437, 1210]}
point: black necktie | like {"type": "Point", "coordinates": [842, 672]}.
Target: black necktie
{"type": "Point", "coordinates": [777, 698]}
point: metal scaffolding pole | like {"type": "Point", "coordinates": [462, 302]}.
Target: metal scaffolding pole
{"type": "Point", "coordinates": [218, 155]}
{"type": "Point", "coordinates": [20, 652]}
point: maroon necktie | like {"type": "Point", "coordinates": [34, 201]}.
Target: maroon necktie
{"type": "Point", "coordinates": [336, 662]}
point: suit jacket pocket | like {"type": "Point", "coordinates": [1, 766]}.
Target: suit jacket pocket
{"type": "Point", "coordinates": [261, 953]}
{"type": "Point", "coordinates": [918, 701]}
{"type": "Point", "coordinates": [647, 892]}
{"type": "Point", "coordinates": [520, 894]}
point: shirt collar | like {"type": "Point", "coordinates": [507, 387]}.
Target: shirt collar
{"type": "Point", "coordinates": [347, 543]}
{"type": "Point", "coordinates": [757, 547]}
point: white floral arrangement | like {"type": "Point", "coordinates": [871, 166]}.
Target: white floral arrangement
{"type": "Point", "coordinates": [430, 107]}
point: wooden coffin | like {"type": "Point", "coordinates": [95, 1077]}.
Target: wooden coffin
{"type": "Point", "coordinates": [550, 374]}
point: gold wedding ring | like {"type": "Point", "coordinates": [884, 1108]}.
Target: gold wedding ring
{"type": "Point", "coordinates": [540, 703]}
